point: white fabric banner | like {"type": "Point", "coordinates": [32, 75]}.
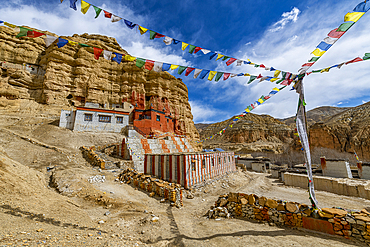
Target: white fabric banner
{"type": "Point", "coordinates": [157, 66]}
{"type": "Point", "coordinates": [107, 55]}
{"type": "Point", "coordinates": [196, 73]}
{"type": "Point", "coordinates": [205, 51]}
{"type": "Point", "coordinates": [49, 40]}
{"type": "Point", "coordinates": [116, 18]}
{"type": "Point", "coordinates": [167, 40]}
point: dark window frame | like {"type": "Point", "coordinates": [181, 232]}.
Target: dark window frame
{"type": "Point", "coordinates": [88, 117]}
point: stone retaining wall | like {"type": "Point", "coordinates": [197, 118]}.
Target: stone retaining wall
{"type": "Point", "coordinates": [350, 224]}
{"type": "Point", "coordinates": [91, 157]}
{"type": "Point", "coordinates": [153, 185]}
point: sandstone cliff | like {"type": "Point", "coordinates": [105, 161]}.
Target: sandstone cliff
{"type": "Point", "coordinates": [70, 76]}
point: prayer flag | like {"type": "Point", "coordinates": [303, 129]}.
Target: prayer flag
{"type": "Point", "coordinates": [140, 62]}
{"type": "Point", "coordinates": [166, 67]}
{"type": "Point", "coordinates": [262, 66]}
{"type": "Point", "coordinates": [211, 75]}
{"type": "Point", "coordinates": [277, 73]}
{"type": "Point", "coordinates": [191, 48]}
{"type": "Point", "coordinates": [34, 34]}
{"type": "Point", "coordinates": [116, 18]}
{"type": "Point", "coordinates": [196, 73]}
{"type": "Point", "coordinates": [129, 58]}
{"type": "Point", "coordinates": [84, 6]}
{"type": "Point", "coordinates": [97, 52]}
{"type": "Point", "coordinates": [131, 25]}
{"type": "Point", "coordinates": [49, 40]}
{"type": "Point", "coordinates": [272, 69]}
{"type": "Point", "coordinates": [22, 32]}
{"type": "Point", "coordinates": [367, 56]}
{"type": "Point", "coordinates": [184, 45]}
{"type": "Point", "coordinates": [219, 56]}
{"type": "Point", "coordinates": [203, 74]}
{"type": "Point", "coordinates": [197, 49]}
{"type": "Point", "coordinates": [176, 41]}
{"type": "Point", "coordinates": [205, 51]}
{"type": "Point", "coordinates": [188, 71]}
{"type": "Point", "coordinates": [97, 11]}
{"type": "Point", "coordinates": [355, 16]}
{"type": "Point", "coordinates": [158, 66]}
{"type": "Point", "coordinates": [212, 56]}
{"type": "Point", "coordinates": [314, 59]}
{"type": "Point", "coordinates": [181, 69]}
{"type": "Point", "coordinates": [317, 52]}
{"type": "Point", "coordinates": [252, 78]}
{"type": "Point", "coordinates": [152, 34]}
{"type": "Point", "coordinates": [324, 46]}
{"type": "Point", "coordinates": [259, 76]}
{"type": "Point", "coordinates": [307, 64]}
{"type": "Point", "coordinates": [107, 55]}
{"type": "Point", "coordinates": [10, 25]}
{"type": "Point", "coordinates": [362, 7]}
{"type": "Point", "coordinates": [274, 79]}
{"type": "Point", "coordinates": [72, 42]}
{"type": "Point", "coordinates": [167, 40]}
{"type": "Point", "coordinates": [219, 75]}
{"type": "Point", "coordinates": [345, 26]}
{"type": "Point", "coordinates": [142, 30]}
{"type": "Point", "coordinates": [335, 33]}
{"type": "Point", "coordinates": [173, 67]}
{"type": "Point", "coordinates": [231, 60]}
{"type": "Point", "coordinates": [329, 40]}
{"type": "Point", "coordinates": [225, 57]}
{"type": "Point", "coordinates": [62, 42]}
{"type": "Point", "coordinates": [260, 100]}
{"type": "Point", "coordinates": [1, 22]}
{"type": "Point", "coordinates": [357, 59]}
{"type": "Point", "coordinates": [107, 14]}
{"type": "Point", "coordinates": [117, 58]}
{"type": "Point", "coordinates": [149, 64]}
{"type": "Point", "coordinates": [158, 35]}
{"type": "Point", "coordinates": [72, 4]}
{"type": "Point", "coordinates": [83, 45]}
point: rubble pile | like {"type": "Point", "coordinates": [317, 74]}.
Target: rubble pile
{"type": "Point", "coordinates": [354, 224]}
{"type": "Point", "coordinates": [97, 179]}
{"type": "Point", "coordinates": [91, 157]}
{"type": "Point", "coordinates": [153, 185]}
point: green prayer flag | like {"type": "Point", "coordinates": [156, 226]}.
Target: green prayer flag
{"type": "Point", "coordinates": [252, 78]}
{"type": "Point", "coordinates": [83, 45]}
{"type": "Point", "coordinates": [345, 26]}
{"type": "Point", "coordinates": [314, 59]}
{"type": "Point", "coordinates": [256, 65]}
{"type": "Point", "coordinates": [191, 48]}
{"type": "Point", "coordinates": [181, 69]}
{"type": "Point", "coordinates": [367, 56]}
{"type": "Point", "coordinates": [97, 11]}
{"type": "Point", "coordinates": [140, 62]}
{"type": "Point", "coordinates": [280, 81]}
{"type": "Point", "coordinates": [224, 58]}
{"type": "Point", "coordinates": [23, 32]}
{"type": "Point", "coordinates": [283, 74]}
{"type": "Point", "coordinates": [219, 75]}
{"type": "Point", "coordinates": [152, 34]}
{"type": "Point", "coordinates": [316, 71]}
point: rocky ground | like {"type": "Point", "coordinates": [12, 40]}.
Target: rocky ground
{"type": "Point", "coordinates": [50, 196]}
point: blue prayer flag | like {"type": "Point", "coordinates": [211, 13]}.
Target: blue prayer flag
{"type": "Point", "coordinates": [176, 41]}
{"type": "Point", "coordinates": [362, 7]}
{"type": "Point", "coordinates": [129, 24]}
{"type": "Point", "coordinates": [247, 62]}
{"type": "Point", "coordinates": [324, 46]}
{"type": "Point", "coordinates": [272, 69]}
{"type": "Point", "coordinates": [62, 42]}
{"type": "Point", "coordinates": [117, 58]}
{"type": "Point", "coordinates": [166, 66]}
{"type": "Point", "coordinates": [73, 4]}
{"type": "Point", "coordinates": [203, 74]}
{"type": "Point", "coordinates": [213, 55]}
{"type": "Point", "coordinates": [241, 74]}
{"type": "Point", "coordinates": [1, 22]}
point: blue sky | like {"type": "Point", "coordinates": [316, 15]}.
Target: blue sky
{"type": "Point", "coordinates": [281, 34]}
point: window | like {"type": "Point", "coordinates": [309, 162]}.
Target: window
{"type": "Point", "coordinates": [158, 118]}
{"type": "Point", "coordinates": [104, 118]}
{"type": "Point", "coordinates": [219, 160]}
{"type": "Point", "coordinates": [120, 120]}
{"type": "Point", "coordinates": [167, 120]}
{"type": "Point", "coordinates": [229, 159]}
{"type": "Point", "coordinates": [193, 165]}
{"type": "Point", "coordinates": [204, 163]}
{"type": "Point", "coordinates": [88, 117]}
{"type": "Point", "coordinates": [224, 160]}
{"type": "Point", "coordinates": [212, 162]}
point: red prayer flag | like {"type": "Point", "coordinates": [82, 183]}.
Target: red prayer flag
{"type": "Point", "coordinates": [334, 34]}
{"type": "Point", "coordinates": [97, 52]}
{"type": "Point", "coordinates": [259, 76]}
{"type": "Point", "coordinates": [158, 35]}
{"type": "Point", "coordinates": [262, 66]}
{"type": "Point", "coordinates": [308, 73]}
{"type": "Point", "coordinates": [231, 60]}
{"type": "Point", "coordinates": [307, 64]}
{"type": "Point", "coordinates": [267, 97]}
{"type": "Point", "coordinates": [226, 76]}
{"type": "Point", "coordinates": [197, 49]}
{"type": "Point", "coordinates": [149, 64]}
{"type": "Point", "coordinates": [357, 59]}
{"type": "Point", "coordinates": [284, 83]}
{"type": "Point", "coordinates": [34, 34]}
{"type": "Point", "coordinates": [252, 106]}
{"type": "Point", "coordinates": [107, 14]}
{"type": "Point", "coordinates": [188, 71]}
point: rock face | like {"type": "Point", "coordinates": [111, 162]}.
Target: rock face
{"type": "Point", "coordinates": [70, 76]}
{"type": "Point", "coordinates": [345, 132]}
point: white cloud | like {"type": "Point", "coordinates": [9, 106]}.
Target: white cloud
{"type": "Point", "coordinates": [201, 113]}
{"type": "Point", "coordinates": [286, 18]}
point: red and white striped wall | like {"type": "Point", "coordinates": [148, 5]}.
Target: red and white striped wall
{"type": "Point", "coordinates": [189, 169]}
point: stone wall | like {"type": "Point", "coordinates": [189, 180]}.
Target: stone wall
{"type": "Point", "coordinates": [347, 223]}
{"type": "Point", "coordinates": [156, 187]}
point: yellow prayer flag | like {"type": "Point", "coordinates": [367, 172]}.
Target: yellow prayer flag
{"type": "Point", "coordinates": [184, 45]}
{"type": "Point", "coordinates": [274, 79]}
{"type": "Point", "coordinates": [211, 75]}
{"type": "Point", "coordinates": [72, 42]}
{"type": "Point", "coordinates": [219, 56]}
{"type": "Point", "coordinates": [84, 6]}
{"type": "Point", "coordinates": [142, 30]}
{"type": "Point", "coordinates": [173, 67]}
{"type": "Point", "coordinates": [10, 25]}
{"type": "Point", "coordinates": [325, 70]}
{"type": "Point", "coordinates": [318, 53]}
{"type": "Point", "coordinates": [277, 73]}
{"type": "Point", "coordinates": [260, 100]}
{"type": "Point", "coordinates": [129, 58]}
{"type": "Point", "coordinates": [355, 16]}
{"type": "Point", "coordinates": [247, 110]}
{"type": "Point", "coordinates": [276, 89]}
{"type": "Point", "coordinates": [246, 74]}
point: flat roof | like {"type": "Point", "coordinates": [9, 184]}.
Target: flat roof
{"type": "Point", "coordinates": [84, 108]}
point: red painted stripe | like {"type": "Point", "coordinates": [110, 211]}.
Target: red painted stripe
{"type": "Point", "coordinates": [170, 161]}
